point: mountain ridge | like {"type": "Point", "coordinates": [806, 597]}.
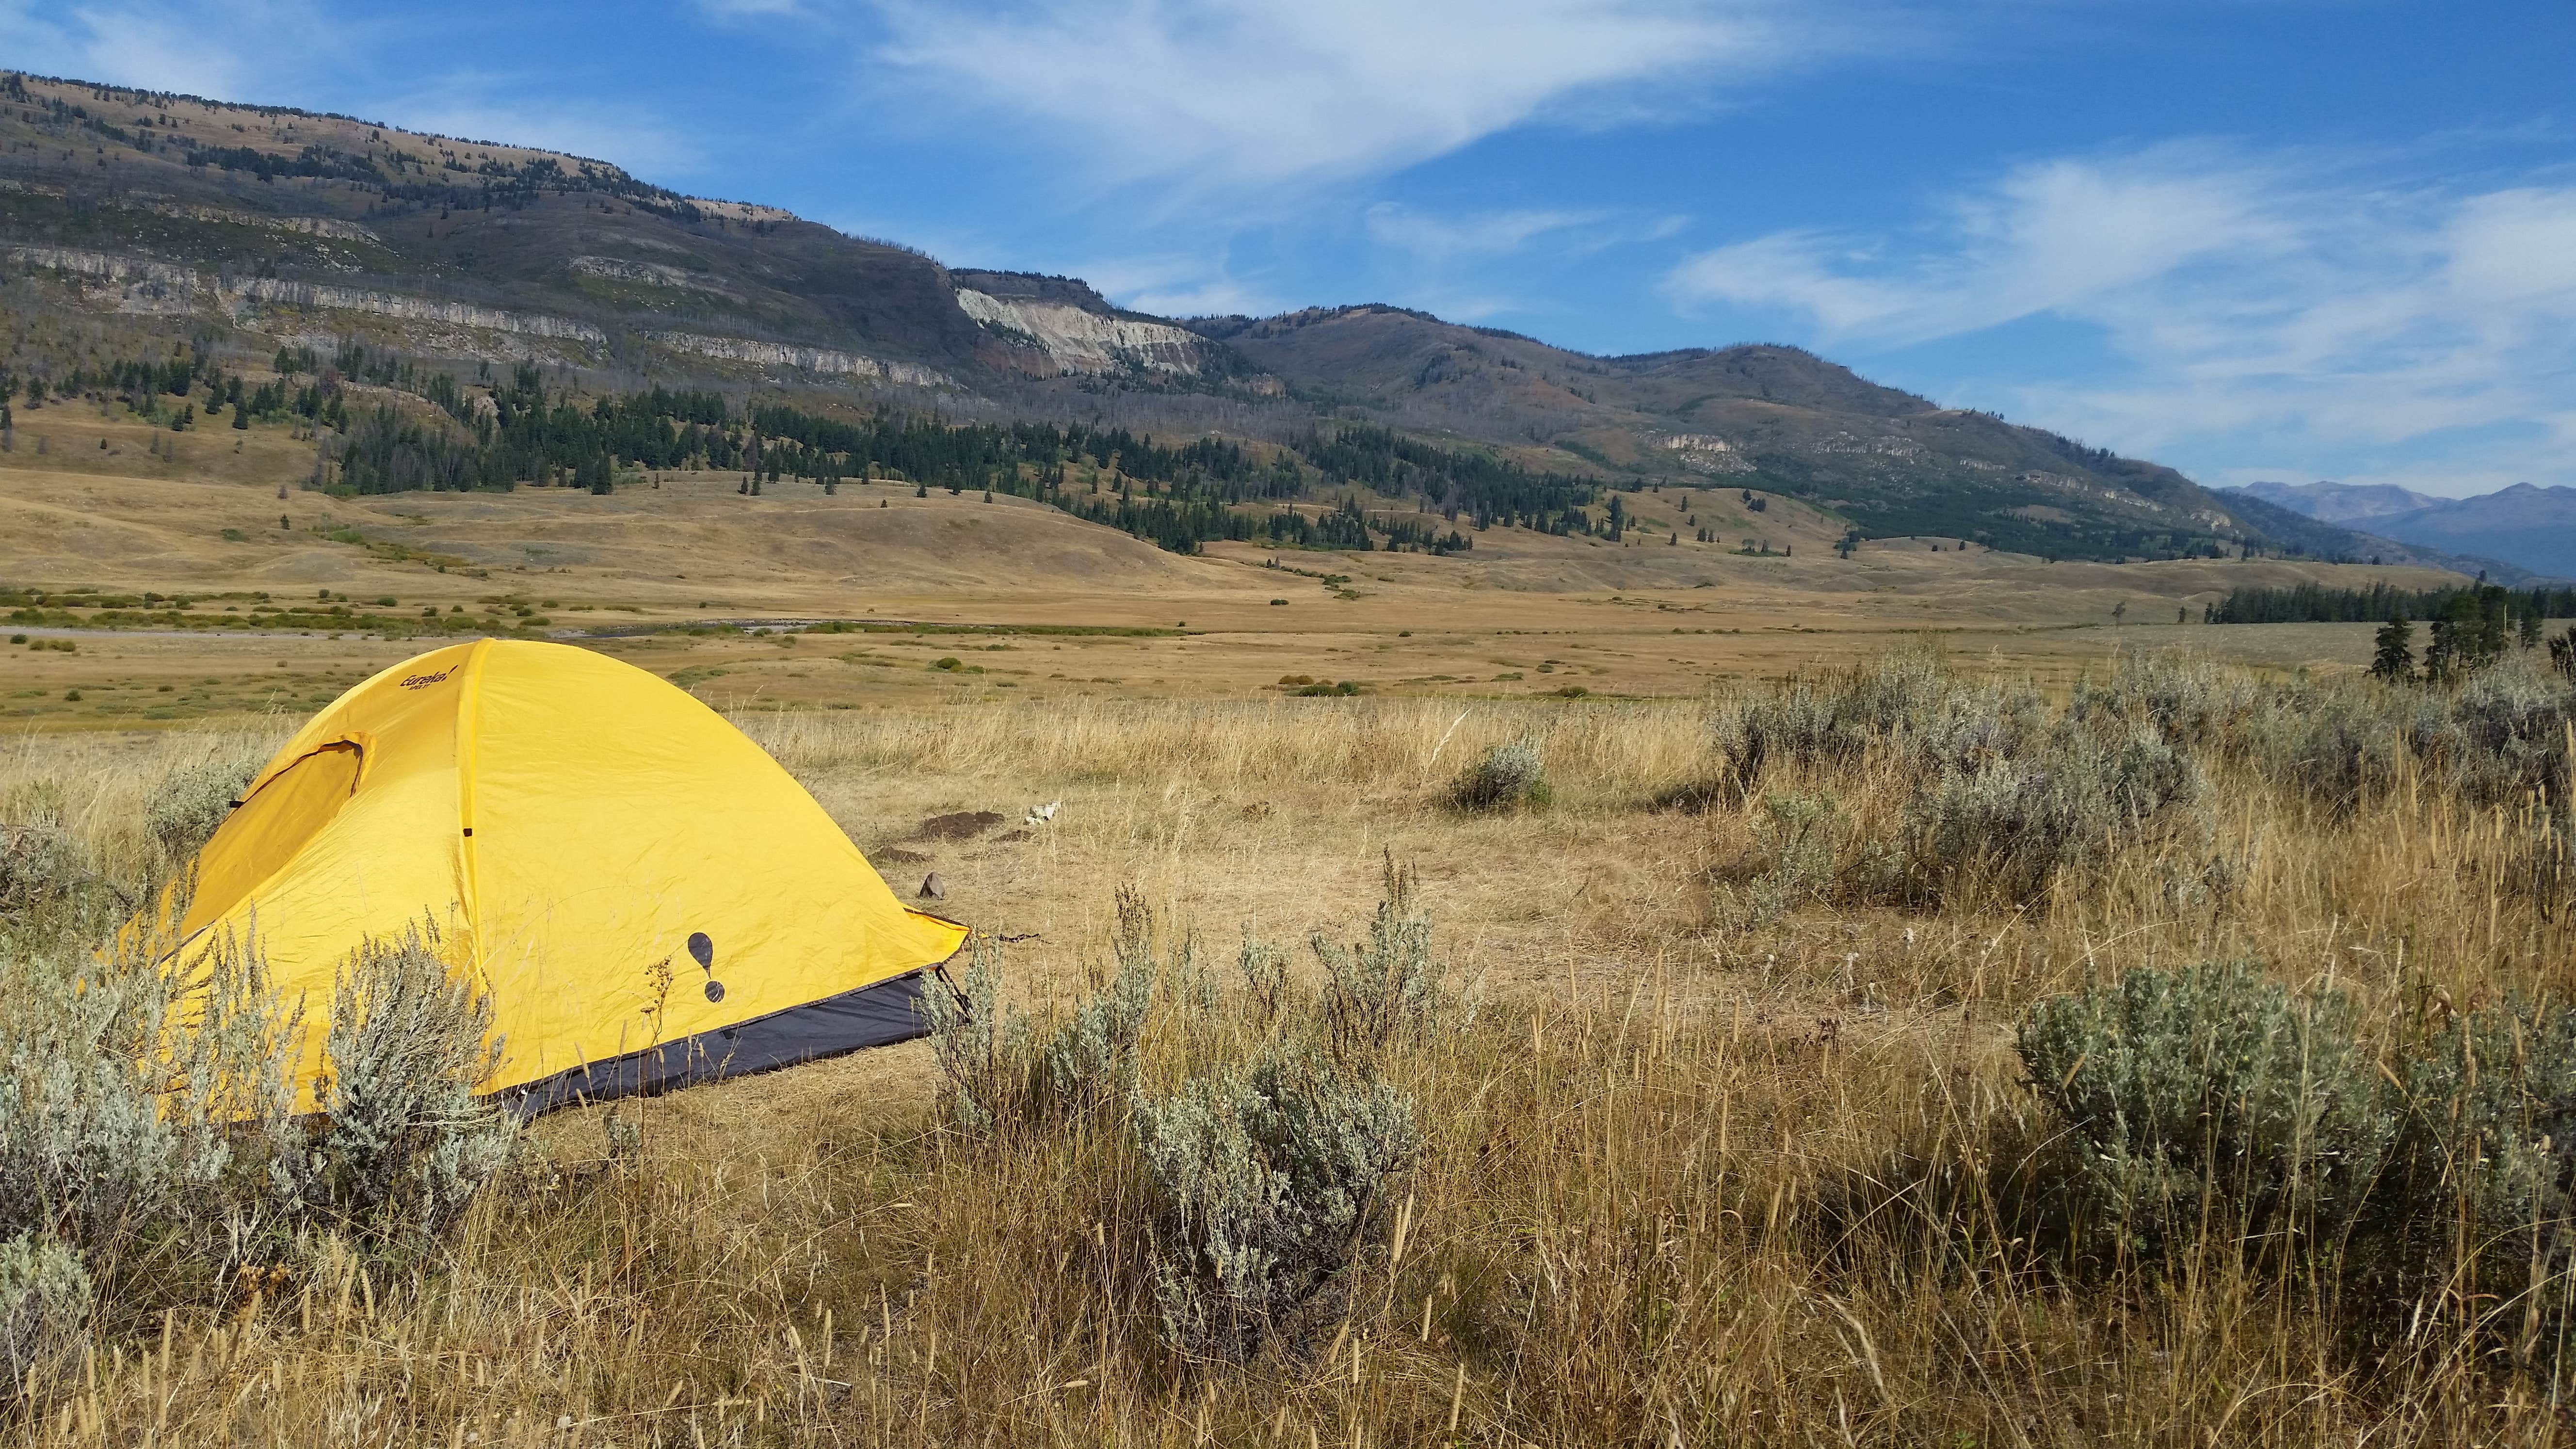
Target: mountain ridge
{"type": "Point", "coordinates": [155, 218]}
{"type": "Point", "coordinates": [2523, 525]}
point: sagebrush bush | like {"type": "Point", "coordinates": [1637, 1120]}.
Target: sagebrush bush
{"type": "Point", "coordinates": [1091, 1060]}
{"type": "Point", "coordinates": [2211, 1087]}
{"type": "Point", "coordinates": [1388, 986]}
{"type": "Point", "coordinates": [39, 867]}
{"type": "Point", "coordinates": [1509, 777]}
{"type": "Point", "coordinates": [1905, 704]}
{"type": "Point", "coordinates": [2014, 826]}
{"type": "Point", "coordinates": [2509, 733]}
{"type": "Point", "coordinates": [2188, 702]}
{"type": "Point", "coordinates": [2501, 734]}
{"type": "Point", "coordinates": [982, 1045]}
{"type": "Point", "coordinates": [149, 1118]}
{"type": "Point", "coordinates": [1809, 851]}
{"type": "Point", "coordinates": [2489, 1161]}
{"type": "Point", "coordinates": [188, 804]}
{"type": "Point", "coordinates": [1265, 1178]}
{"type": "Point", "coordinates": [2339, 746]}
{"type": "Point", "coordinates": [139, 1108]}
{"type": "Point", "coordinates": [44, 1309]}
{"type": "Point", "coordinates": [1264, 969]}
{"type": "Point", "coordinates": [400, 1142]}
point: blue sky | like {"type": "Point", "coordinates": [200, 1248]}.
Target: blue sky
{"type": "Point", "coordinates": [2266, 239]}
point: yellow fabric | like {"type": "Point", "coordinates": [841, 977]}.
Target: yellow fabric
{"type": "Point", "coordinates": [569, 822]}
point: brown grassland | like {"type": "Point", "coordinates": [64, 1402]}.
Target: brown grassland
{"type": "Point", "coordinates": [1690, 1175]}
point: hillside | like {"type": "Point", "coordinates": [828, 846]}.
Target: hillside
{"type": "Point", "coordinates": [136, 225]}
{"type": "Point", "coordinates": [1765, 417]}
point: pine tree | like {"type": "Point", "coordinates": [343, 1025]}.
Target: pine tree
{"type": "Point", "coordinates": [2395, 660]}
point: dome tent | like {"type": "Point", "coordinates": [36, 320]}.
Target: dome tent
{"type": "Point", "coordinates": [646, 896]}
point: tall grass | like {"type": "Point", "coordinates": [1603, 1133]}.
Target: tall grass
{"type": "Point", "coordinates": [1692, 1174]}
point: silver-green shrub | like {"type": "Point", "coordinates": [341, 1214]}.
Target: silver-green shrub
{"type": "Point", "coordinates": [981, 1044]}
{"type": "Point", "coordinates": [1389, 985]}
{"type": "Point", "coordinates": [188, 804]}
{"type": "Point", "coordinates": [2490, 1164]}
{"type": "Point", "coordinates": [1810, 851]}
{"type": "Point", "coordinates": [38, 866]}
{"type": "Point", "coordinates": [400, 1143]}
{"type": "Point", "coordinates": [2339, 745]}
{"type": "Point", "coordinates": [2189, 702]}
{"type": "Point", "coordinates": [2510, 733]}
{"type": "Point", "coordinates": [1905, 703]}
{"type": "Point", "coordinates": [2211, 1087]}
{"type": "Point", "coordinates": [139, 1106]}
{"type": "Point", "coordinates": [1091, 1060]}
{"type": "Point", "coordinates": [1264, 969]}
{"type": "Point", "coordinates": [2015, 825]}
{"type": "Point", "coordinates": [1266, 1177]}
{"type": "Point", "coordinates": [2497, 737]}
{"type": "Point", "coordinates": [44, 1308]}
{"type": "Point", "coordinates": [1509, 777]}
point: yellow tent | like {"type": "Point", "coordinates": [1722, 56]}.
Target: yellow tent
{"type": "Point", "coordinates": [648, 898]}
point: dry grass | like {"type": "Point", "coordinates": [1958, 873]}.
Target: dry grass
{"type": "Point", "coordinates": [1687, 1183]}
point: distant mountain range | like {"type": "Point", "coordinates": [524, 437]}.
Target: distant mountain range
{"type": "Point", "coordinates": [137, 223]}
{"type": "Point", "coordinates": [2528, 527]}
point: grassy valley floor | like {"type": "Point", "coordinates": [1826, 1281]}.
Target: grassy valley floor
{"type": "Point", "coordinates": [1720, 1155]}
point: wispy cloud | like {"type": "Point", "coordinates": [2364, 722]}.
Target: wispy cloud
{"type": "Point", "coordinates": [1439, 238]}
{"type": "Point", "coordinates": [2050, 236]}
{"type": "Point", "coordinates": [1179, 284]}
{"type": "Point", "coordinates": [259, 49]}
{"type": "Point", "coordinates": [482, 109]}
{"type": "Point", "coordinates": [1261, 92]}
{"type": "Point", "coordinates": [2295, 304]}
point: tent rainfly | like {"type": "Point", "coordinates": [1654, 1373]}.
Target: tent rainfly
{"type": "Point", "coordinates": [648, 899]}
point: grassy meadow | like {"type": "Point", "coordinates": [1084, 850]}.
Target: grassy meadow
{"type": "Point", "coordinates": [1724, 1136]}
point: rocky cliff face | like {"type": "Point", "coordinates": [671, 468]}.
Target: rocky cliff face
{"type": "Point", "coordinates": [1077, 339]}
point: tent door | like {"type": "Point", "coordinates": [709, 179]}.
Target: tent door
{"type": "Point", "coordinates": [257, 840]}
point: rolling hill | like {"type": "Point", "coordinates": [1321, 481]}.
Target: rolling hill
{"type": "Point", "coordinates": [137, 225]}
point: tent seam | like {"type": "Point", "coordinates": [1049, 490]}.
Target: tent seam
{"type": "Point", "coordinates": [469, 700]}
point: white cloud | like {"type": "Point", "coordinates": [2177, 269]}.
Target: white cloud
{"type": "Point", "coordinates": [258, 50]}
{"type": "Point", "coordinates": [2047, 237]}
{"type": "Point", "coordinates": [468, 108]}
{"type": "Point", "coordinates": [1492, 233]}
{"type": "Point", "coordinates": [2286, 307]}
{"type": "Point", "coordinates": [1261, 92]}
{"type": "Point", "coordinates": [1178, 284]}
{"type": "Point", "coordinates": [1500, 233]}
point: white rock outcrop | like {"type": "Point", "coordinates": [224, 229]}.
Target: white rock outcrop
{"type": "Point", "coordinates": [1082, 341]}
{"type": "Point", "coordinates": [790, 354]}
{"type": "Point", "coordinates": [1708, 453]}
{"type": "Point", "coordinates": [162, 288]}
